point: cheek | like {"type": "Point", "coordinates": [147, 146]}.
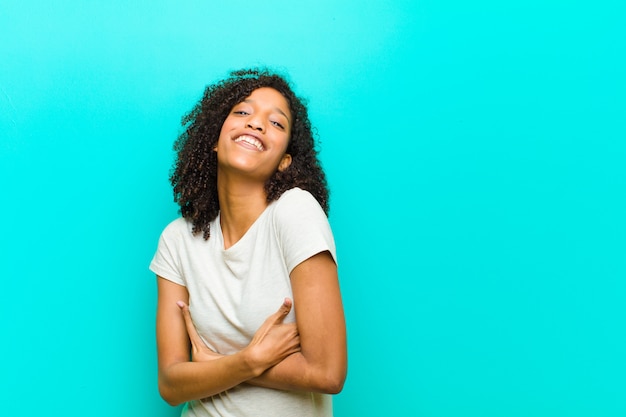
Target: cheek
{"type": "Point", "coordinates": [286, 139]}
{"type": "Point", "coordinates": [226, 127]}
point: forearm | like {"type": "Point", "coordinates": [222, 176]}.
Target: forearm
{"type": "Point", "coordinates": [209, 373]}
{"type": "Point", "coordinates": [185, 381]}
{"type": "Point", "coordinates": [296, 373]}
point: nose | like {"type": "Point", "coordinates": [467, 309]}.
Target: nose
{"type": "Point", "coordinates": [256, 123]}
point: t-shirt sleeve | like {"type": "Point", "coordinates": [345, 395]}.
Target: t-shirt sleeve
{"type": "Point", "coordinates": [166, 260]}
{"type": "Point", "coordinates": [302, 227]}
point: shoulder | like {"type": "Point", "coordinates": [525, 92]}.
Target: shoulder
{"type": "Point", "coordinates": [297, 199]}
{"type": "Point", "coordinates": [298, 210]}
{"type": "Point", "coordinates": [179, 228]}
{"type": "Point", "coordinates": [301, 226]}
{"type": "Point", "coordinates": [170, 250]}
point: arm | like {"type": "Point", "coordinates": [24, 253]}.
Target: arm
{"type": "Point", "coordinates": [181, 380]}
{"type": "Point", "coordinates": [321, 364]}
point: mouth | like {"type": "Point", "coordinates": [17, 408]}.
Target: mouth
{"type": "Point", "coordinates": [250, 141]}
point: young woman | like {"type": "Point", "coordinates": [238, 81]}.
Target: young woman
{"type": "Point", "coordinates": [249, 320]}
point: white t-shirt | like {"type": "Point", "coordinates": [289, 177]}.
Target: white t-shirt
{"type": "Point", "coordinates": [232, 291]}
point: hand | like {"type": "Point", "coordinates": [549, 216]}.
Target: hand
{"type": "Point", "coordinates": [274, 340]}
{"type": "Point", "coordinates": [200, 352]}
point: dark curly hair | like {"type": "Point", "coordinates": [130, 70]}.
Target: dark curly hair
{"type": "Point", "coordinates": [194, 173]}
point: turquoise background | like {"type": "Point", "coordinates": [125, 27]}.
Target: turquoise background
{"type": "Point", "coordinates": [476, 158]}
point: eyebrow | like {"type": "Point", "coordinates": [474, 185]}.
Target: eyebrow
{"type": "Point", "coordinates": [275, 108]}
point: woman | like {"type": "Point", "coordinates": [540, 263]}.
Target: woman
{"type": "Point", "coordinates": [247, 277]}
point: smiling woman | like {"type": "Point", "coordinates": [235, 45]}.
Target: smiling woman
{"type": "Point", "coordinates": [247, 277]}
{"type": "Point", "coordinates": [254, 138]}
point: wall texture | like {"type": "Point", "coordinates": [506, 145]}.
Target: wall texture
{"type": "Point", "coordinates": [475, 152]}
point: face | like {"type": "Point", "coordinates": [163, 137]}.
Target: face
{"type": "Point", "coordinates": [255, 135]}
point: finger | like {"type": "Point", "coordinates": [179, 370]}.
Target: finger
{"type": "Point", "coordinates": [191, 329]}
{"type": "Point", "coordinates": [272, 320]}
{"type": "Point", "coordinates": [283, 310]}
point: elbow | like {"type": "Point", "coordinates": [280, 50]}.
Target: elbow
{"type": "Point", "coordinates": [333, 387]}
{"type": "Point", "coordinates": [169, 398]}
{"type": "Point", "coordinates": [332, 382]}
{"type": "Point", "coordinates": [168, 394]}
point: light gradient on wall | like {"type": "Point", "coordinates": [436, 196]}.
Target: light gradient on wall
{"type": "Point", "coordinates": [475, 153]}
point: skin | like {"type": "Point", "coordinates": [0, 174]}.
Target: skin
{"type": "Point", "coordinates": [309, 355]}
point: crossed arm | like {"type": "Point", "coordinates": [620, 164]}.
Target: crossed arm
{"type": "Point", "coordinates": [309, 355]}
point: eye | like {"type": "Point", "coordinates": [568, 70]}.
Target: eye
{"type": "Point", "coordinates": [278, 124]}
{"type": "Point", "coordinates": [241, 109]}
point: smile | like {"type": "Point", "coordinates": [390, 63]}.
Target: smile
{"type": "Point", "coordinates": [251, 140]}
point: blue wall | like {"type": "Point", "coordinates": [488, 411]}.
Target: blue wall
{"type": "Point", "coordinates": [476, 155]}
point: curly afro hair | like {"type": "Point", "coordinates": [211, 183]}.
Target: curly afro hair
{"type": "Point", "coordinates": [194, 173]}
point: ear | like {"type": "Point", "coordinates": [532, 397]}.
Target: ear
{"type": "Point", "coordinates": [285, 162]}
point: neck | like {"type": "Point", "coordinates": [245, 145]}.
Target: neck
{"type": "Point", "coordinates": [241, 203]}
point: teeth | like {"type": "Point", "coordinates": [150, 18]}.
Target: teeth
{"type": "Point", "coordinates": [252, 141]}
